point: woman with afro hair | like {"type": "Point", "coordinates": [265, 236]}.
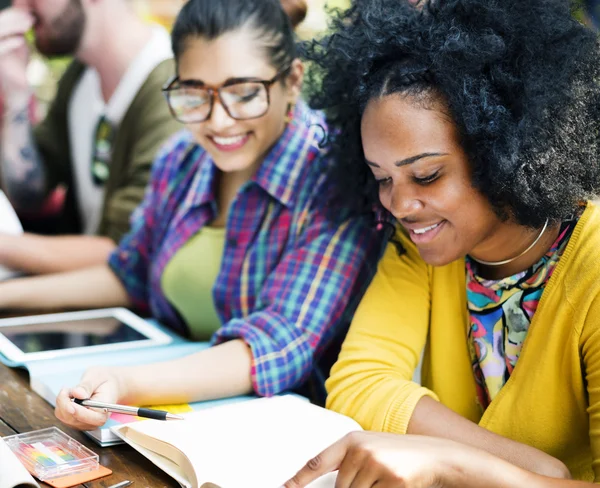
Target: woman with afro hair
{"type": "Point", "coordinates": [475, 125]}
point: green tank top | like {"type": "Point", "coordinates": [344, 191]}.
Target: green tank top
{"type": "Point", "coordinates": [188, 279]}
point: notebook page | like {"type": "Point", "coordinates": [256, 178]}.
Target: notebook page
{"type": "Point", "coordinates": [12, 472]}
{"type": "Point", "coordinates": [254, 444]}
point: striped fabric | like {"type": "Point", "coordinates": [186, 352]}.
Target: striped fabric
{"type": "Point", "coordinates": [290, 277]}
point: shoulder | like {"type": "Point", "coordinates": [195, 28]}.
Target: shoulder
{"type": "Point", "coordinates": [159, 75]}
{"type": "Point", "coordinates": [149, 95]}
{"type": "Point", "coordinates": [68, 81]}
{"type": "Point", "coordinates": [580, 262]}
{"type": "Point", "coordinates": [578, 270]}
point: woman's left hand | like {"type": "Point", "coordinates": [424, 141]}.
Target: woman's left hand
{"type": "Point", "coordinates": [366, 459]}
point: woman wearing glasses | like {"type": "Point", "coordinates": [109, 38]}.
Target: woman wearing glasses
{"type": "Point", "coordinates": [234, 239]}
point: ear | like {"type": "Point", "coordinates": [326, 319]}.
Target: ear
{"type": "Point", "coordinates": [294, 80]}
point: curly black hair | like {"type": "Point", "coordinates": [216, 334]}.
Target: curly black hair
{"type": "Point", "coordinates": [520, 79]}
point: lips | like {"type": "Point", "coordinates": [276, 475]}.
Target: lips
{"type": "Point", "coordinates": [423, 234]}
{"type": "Point", "coordinates": [423, 230]}
{"type": "Point", "coordinates": [229, 143]}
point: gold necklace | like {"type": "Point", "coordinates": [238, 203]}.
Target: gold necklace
{"type": "Point", "coordinates": [510, 260]}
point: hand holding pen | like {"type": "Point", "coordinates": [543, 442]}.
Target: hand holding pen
{"type": "Point", "coordinates": [138, 411]}
{"type": "Point", "coordinates": [99, 384]}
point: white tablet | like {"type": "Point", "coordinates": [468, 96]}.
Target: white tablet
{"type": "Point", "coordinates": [50, 336]}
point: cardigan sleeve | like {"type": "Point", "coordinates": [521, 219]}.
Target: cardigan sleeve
{"type": "Point", "coordinates": [590, 351]}
{"type": "Point", "coordinates": [372, 379]}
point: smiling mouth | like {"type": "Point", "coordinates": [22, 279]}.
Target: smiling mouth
{"type": "Point", "coordinates": [424, 235]}
{"type": "Point", "coordinates": [426, 229]}
{"type": "Point", "coordinates": [229, 143]}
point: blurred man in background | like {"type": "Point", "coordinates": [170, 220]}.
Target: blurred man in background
{"type": "Point", "coordinates": [100, 135]}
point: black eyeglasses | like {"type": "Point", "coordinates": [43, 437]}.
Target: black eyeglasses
{"type": "Point", "coordinates": [192, 101]}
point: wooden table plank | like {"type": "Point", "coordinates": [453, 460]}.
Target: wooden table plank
{"type": "Point", "coordinates": [22, 410]}
{"type": "Point", "coordinates": [5, 429]}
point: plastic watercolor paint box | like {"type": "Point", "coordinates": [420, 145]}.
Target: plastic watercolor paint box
{"type": "Point", "coordinates": [50, 453]}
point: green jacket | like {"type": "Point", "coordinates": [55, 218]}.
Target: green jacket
{"type": "Point", "coordinates": [146, 125]}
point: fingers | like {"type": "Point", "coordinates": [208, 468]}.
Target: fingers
{"type": "Point", "coordinates": [351, 473]}
{"type": "Point", "coordinates": [75, 415]}
{"type": "Point", "coordinates": [364, 476]}
{"type": "Point", "coordinates": [325, 462]}
{"type": "Point", "coordinates": [14, 22]}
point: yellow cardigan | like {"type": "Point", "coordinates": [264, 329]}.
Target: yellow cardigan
{"type": "Point", "coordinates": [552, 399]}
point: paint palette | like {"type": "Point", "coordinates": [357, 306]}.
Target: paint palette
{"type": "Point", "coordinates": [50, 453]}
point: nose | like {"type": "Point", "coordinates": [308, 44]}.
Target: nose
{"type": "Point", "coordinates": [219, 118]}
{"type": "Point", "coordinates": [404, 203]}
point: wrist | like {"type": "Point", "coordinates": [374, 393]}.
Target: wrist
{"type": "Point", "coordinates": [125, 384]}
{"type": "Point", "coordinates": [453, 472]}
{"type": "Point", "coordinates": [471, 467]}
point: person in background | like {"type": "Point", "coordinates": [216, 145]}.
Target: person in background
{"type": "Point", "coordinates": [476, 125]}
{"type": "Point", "coordinates": [238, 238]}
{"type": "Point", "coordinates": [101, 133]}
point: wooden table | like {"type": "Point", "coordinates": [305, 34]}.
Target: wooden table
{"type": "Point", "coordinates": [22, 410]}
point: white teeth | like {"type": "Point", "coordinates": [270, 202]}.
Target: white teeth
{"type": "Point", "coordinates": [425, 229]}
{"type": "Point", "coordinates": [229, 141]}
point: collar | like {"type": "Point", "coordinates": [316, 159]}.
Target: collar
{"type": "Point", "coordinates": [281, 169]}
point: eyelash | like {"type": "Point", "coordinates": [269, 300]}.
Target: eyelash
{"type": "Point", "coordinates": [420, 181]}
{"type": "Point", "coordinates": [383, 181]}
{"type": "Point", "coordinates": [428, 179]}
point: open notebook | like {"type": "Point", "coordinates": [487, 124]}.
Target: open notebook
{"type": "Point", "coordinates": [254, 444]}
{"type": "Point", "coordinates": [12, 472]}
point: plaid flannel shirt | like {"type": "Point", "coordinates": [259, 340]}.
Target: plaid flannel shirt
{"type": "Point", "coordinates": [290, 277]}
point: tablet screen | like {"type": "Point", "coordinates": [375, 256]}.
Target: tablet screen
{"type": "Point", "coordinates": [54, 336]}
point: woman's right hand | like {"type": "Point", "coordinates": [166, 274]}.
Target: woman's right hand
{"type": "Point", "coordinates": [100, 384]}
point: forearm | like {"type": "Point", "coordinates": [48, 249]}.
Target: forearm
{"type": "Point", "coordinates": [217, 372]}
{"type": "Point", "coordinates": [23, 172]}
{"type": "Point", "coordinates": [94, 287]}
{"type": "Point", "coordinates": [475, 468]}
{"type": "Point", "coordinates": [431, 418]}
{"type": "Point", "coordinates": [36, 254]}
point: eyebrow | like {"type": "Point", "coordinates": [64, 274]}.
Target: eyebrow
{"type": "Point", "coordinates": [412, 159]}
{"type": "Point", "coordinates": [228, 81]}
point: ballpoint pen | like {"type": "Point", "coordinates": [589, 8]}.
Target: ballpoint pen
{"type": "Point", "coordinates": [140, 412]}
